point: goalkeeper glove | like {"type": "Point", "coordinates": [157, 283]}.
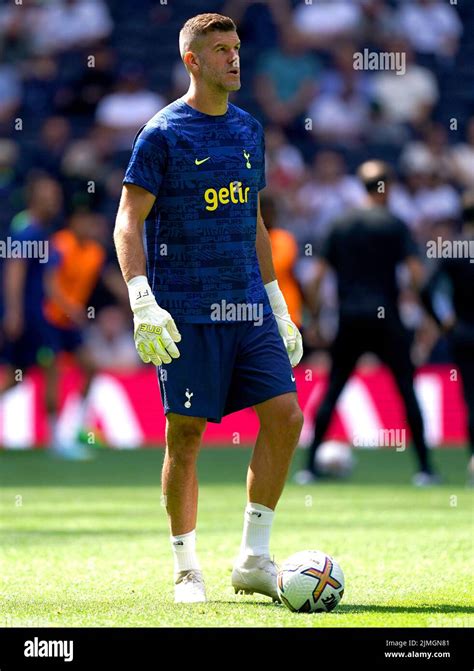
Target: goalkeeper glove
{"type": "Point", "coordinates": [291, 336]}
{"type": "Point", "coordinates": [155, 332]}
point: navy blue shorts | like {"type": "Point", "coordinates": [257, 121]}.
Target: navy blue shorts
{"type": "Point", "coordinates": [39, 343]}
{"type": "Point", "coordinates": [32, 348]}
{"type": "Point", "coordinates": [225, 367]}
{"type": "Point", "coordinates": [65, 339]}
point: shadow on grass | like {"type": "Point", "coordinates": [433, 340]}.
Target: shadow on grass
{"type": "Point", "coordinates": [349, 609]}
{"type": "Point", "coordinates": [428, 610]}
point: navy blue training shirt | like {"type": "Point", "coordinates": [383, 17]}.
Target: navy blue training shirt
{"type": "Point", "coordinates": [206, 172]}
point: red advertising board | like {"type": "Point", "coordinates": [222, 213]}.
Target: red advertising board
{"type": "Point", "coordinates": [126, 409]}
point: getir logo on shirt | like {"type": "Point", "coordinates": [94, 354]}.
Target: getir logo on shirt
{"type": "Point", "coordinates": [234, 193]}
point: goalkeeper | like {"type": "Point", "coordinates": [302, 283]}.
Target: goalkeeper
{"type": "Point", "coordinates": [207, 308]}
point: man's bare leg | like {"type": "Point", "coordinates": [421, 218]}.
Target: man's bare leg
{"type": "Point", "coordinates": [180, 492]}
{"type": "Point", "coordinates": [281, 421]}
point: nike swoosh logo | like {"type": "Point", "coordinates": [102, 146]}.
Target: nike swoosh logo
{"type": "Point", "coordinates": [293, 378]}
{"type": "Point", "coordinates": [197, 162]}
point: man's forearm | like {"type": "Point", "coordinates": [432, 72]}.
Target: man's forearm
{"type": "Point", "coordinates": [14, 285]}
{"type": "Point", "coordinates": [135, 204]}
{"type": "Point", "coordinates": [311, 296]}
{"type": "Point", "coordinates": [264, 253]}
{"type": "Point", "coordinates": [312, 292]}
{"type": "Point", "coordinates": [129, 245]}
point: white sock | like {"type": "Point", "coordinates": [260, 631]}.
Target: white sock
{"type": "Point", "coordinates": [184, 551]}
{"type": "Point", "coordinates": [53, 427]}
{"type": "Point", "coordinates": [257, 527]}
{"type": "Point", "coordinates": [82, 413]}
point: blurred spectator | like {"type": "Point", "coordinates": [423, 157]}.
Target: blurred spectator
{"type": "Point", "coordinates": [379, 20]}
{"type": "Point", "coordinates": [285, 256]}
{"type": "Point", "coordinates": [71, 24]}
{"type": "Point", "coordinates": [286, 80]}
{"type": "Point", "coordinates": [342, 73]}
{"type": "Point", "coordinates": [454, 277]}
{"type": "Point", "coordinates": [23, 320]}
{"type": "Point", "coordinates": [10, 184]}
{"type": "Point", "coordinates": [339, 118]}
{"type": "Point", "coordinates": [131, 106]}
{"type": "Point", "coordinates": [10, 91]}
{"type": "Point", "coordinates": [258, 22]}
{"type": "Point", "coordinates": [68, 288]}
{"type": "Point", "coordinates": [87, 164]}
{"type": "Point", "coordinates": [430, 153]}
{"type": "Point", "coordinates": [438, 200]}
{"type": "Point", "coordinates": [84, 93]}
{"type": "Point", "coordinates": [84, 263]}
{"type": "Point", "coordinates": [72, 281]}
{"type": "Point", "coordinates": [383, 131]}
{"type": "Point", "coordinates": [284, 162]}
{"type": "Point", "coordinates": [409, 98]}
{"type": "Point", "coordinates": [179, 80]}
{"type": "Point", "coordinates": [82, 161]}
{"type": "Point", "coordinates": [340, 111]}
{"type": "Point", "coordinates": [110, 340]}
{"type": "Point", "coordinates": [41, 85]}
{"type": "Point", "coordinates": [44, 199]}
{"type": "Point", "coordinates": [319, 24]}
{"type": "Point", "coordinates": [462, 159]}
{"type": "Point", "coordinates": [13, 43]}
{"type": "Point", "coordinates": [113, 190]}
{"type": "Point", "coordinates": [47, 154]}
{"type": "Point", "coordinates": [424, 199]}
{"type": "Point", "coordinates": [431, 26]}
{"type": "Point", "coordinates": [17, 28]}
{"type": "Point", "coordinates": [402, 198]}
{"type": "Point", "coordinates": [328, 193]}
{"type": "Point", "coordinates": [89, 158]}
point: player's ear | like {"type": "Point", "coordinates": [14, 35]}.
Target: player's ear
{"type": "Point", "coordinates": [191, 62]}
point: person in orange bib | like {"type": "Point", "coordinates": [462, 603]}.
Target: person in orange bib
{"type": "Point", "coordinates": [285, 255]}
{"type": "Point", "coordinates": [68, 287]}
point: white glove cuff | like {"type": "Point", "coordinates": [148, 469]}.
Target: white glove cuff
{"type": "Point", "coordinates": [276, 298]}
{"type": "Point", "coordinates": [139, 292]}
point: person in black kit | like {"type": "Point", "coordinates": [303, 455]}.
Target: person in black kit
{"type": "Point", "coordinates": [364, 248]}
{"type": "Point", "coordinates": [460, 328]}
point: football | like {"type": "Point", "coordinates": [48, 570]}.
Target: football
{"type": "Point", "coordinates": [334, 458]}
{"type": "Point", "coordinates": [310, 582]}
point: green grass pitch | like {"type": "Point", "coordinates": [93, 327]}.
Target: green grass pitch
{"type": "Point", "coordinates": [86, 544]}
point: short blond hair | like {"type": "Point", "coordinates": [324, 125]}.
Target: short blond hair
{"type": "Point", "coordinates": [200, 25]}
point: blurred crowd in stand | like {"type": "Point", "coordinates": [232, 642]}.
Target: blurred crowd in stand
{"type": "Point", "coordinates": [78, 78]}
